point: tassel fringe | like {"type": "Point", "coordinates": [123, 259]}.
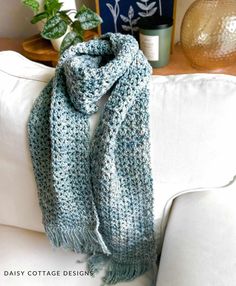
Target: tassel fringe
{"type": "Point", "coordinates": [89, 242]}
{"type": "Point", "coordinates": [97, 262]}
{"type": "Point", "coordinates": [78, 240]}
{"type": "Point", "coordinates": [117, 272]}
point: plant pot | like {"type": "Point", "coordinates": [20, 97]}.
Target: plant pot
{"type": "Point", "coordinates": [56, 43]}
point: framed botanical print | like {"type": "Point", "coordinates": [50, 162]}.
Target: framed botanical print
{"type": "Point", "coordinates": [123, 15]}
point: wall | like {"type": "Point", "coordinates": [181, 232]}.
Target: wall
{"type": "Point", "coordinates": [182, 6]}
{"type": "Point", "coordinates": [15, 18]}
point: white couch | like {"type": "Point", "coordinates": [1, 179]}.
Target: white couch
{"type": "Point", "coordinates": [193, 151]}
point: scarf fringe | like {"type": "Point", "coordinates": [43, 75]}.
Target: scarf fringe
{"type": "Point", "coordinates": [77, 240]}
{"type": "Point", "coordinates": [97, 262]}
{"type": "Point", "coordinates": [117, 272]}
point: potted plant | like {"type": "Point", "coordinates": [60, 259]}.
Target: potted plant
{"type": "Point", "coordinates": [67, 27]}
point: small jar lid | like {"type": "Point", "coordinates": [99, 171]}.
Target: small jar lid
{"type": "Point", "coordinates": [155, 22]}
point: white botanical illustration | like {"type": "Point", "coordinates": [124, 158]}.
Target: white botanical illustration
{"type": "Point", "coordinates": [130, 21]}
{"type": "Point", "coordinates": [115, 11]}
{"type": "Point", "coordinates": [149, 9]}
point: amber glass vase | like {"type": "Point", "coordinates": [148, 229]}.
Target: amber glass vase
{"type": "Point", "coordinates": [208, 33]}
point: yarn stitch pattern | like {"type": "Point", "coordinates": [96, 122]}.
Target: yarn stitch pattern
{"type": "Point", "coordinates": [96, 194]}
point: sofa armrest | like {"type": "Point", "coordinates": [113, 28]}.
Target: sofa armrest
{"type": "Point", "coordinates": [199, 245]}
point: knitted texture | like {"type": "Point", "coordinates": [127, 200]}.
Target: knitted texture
{"type": "Point", "coordinates": [96, 193]}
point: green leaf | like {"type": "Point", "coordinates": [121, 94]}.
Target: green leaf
{"type": "Point", "coordinates": [52, 6]}
{"type": "Point", "coordinates": [77, 27]}
{"type": "Point", "coordinates": [71, 38]}
{"type": "Point", "coordinates": [63, 15]}
{"type": "Point", "coordinates": [54, 28]}
{"type": "Point", "coordinates": [88, 18]}
{"type": "Point", "coordinates": [66, 11]}
{"type": "Point", "coordinates": [39, 17]}
{"type": "Point", "coordinates": [90, 24]}
{"type": "Point", "coordinates": [32, 4]}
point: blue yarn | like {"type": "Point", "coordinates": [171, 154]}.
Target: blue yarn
{"type": "Point", "coordinates": [96, 196]}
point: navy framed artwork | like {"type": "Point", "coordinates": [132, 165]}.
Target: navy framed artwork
{"type": "Point", "coordinates": [123, 15]}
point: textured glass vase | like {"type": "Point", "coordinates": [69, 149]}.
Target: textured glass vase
{"type": "Point", "coordinates": [208, 33]}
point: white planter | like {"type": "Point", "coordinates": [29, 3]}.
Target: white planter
{"type": "Point", "coordinates": [68, 4]}
{"type": "Point", "coordinates": [56, 43]}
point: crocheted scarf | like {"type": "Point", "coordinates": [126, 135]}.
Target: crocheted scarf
{"type": "Point", "coordinates": [96, 193]}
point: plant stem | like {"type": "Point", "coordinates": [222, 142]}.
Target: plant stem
{"type": "Point", "coordinates": [160, 8]}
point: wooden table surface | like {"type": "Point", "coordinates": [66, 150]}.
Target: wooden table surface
{"type": "Point", "coordinates": [178, 63]}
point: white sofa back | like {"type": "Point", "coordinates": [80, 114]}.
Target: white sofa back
{"type": "Point", "coordinates": [21, 81]}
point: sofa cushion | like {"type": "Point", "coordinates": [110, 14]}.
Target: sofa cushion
{"type": "Point", "coordinates": [192, 144]}
{"type": "Point", "coordinates": [29, 251]}
{"type": "Point", "coordinates": [199, 245]}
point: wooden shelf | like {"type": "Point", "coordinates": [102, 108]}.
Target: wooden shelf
{"type": "Point", "coordinates": [38, 49]}
{"type": "Point", "coordinates": [44, 52]}
{"type": "Point", "coordinates": [180, 65]}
